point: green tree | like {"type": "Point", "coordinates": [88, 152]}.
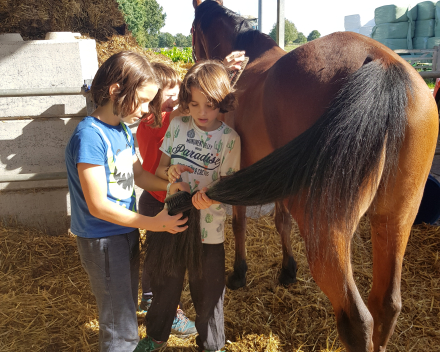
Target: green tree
{"type": "Point", "coordinates": [301, 38]}
{"type": "Point", "coordinates": [154, 21]}
{"type": "Point", "coordinates": [290, 32]}
{"type": "Point", "coordinates": [181, 40]}
{"type": "Point", "coordinates": [166, 40]}
{"type": "Point", "coordinates": [313, 35]}
{"type": "Point", "coordinates": [144, 18]}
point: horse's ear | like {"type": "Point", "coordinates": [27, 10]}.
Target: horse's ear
{"type": "Point", "coordinates": [198, 2]}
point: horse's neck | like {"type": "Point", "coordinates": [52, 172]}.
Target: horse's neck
{"type": "Point", "coordinates": [257, 45]}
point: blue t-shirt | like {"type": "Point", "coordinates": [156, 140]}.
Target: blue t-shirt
{"type": "Point", "coordinates": [95, 142]}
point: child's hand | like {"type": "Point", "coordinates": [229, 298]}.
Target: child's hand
{"type": "Point", "coordinates": [201, 200]}
{"type": "Point", "coordinates": [233, 60]}
{"type": "Point", "coordinates": [179, 186]}
{"type": "Point", "coordinates": [175, 171]}
{"type": "Point", "coordinates": [168, 223]}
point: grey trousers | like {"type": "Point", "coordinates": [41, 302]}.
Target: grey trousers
{"type": "Point", "coordinates": [112, 264]}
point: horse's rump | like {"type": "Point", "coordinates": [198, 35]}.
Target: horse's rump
{"type": "Point", "coordinates": [325, 167]}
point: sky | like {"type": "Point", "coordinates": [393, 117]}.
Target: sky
{"type": "Point", "coordinates": [323, 15]}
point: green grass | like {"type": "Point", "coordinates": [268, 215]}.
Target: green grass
{"type": "Point", "coordinates": [430, 82]}
{"type": "Point", "coordinates": [291, 46]}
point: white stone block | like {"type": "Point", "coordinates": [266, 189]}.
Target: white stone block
{"type": "Point", "coordinates": [10, 37]}
{"type": "Point", "coordinates": [41, 65]}
{"type": "Point", "coordinates": [34, 146]}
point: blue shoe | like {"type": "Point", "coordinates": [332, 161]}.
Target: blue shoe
{"type": "Point", "coordinates": [182, 326]}
{"type": "Point", "coordinates": [145, 305]}
{"type": "Point", "coordinates": [148, 344]}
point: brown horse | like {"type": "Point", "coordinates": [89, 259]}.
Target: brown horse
{"type": "Point", "coordinates": [338, 128]}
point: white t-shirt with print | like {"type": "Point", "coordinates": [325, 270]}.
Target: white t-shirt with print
{"type": "Point", "coordinates": [211, 155]}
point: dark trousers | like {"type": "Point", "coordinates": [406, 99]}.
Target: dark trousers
{"type": "Point", "coordinates": [207, 293]}
{"type": "Point", "coordinates": [148, 206]}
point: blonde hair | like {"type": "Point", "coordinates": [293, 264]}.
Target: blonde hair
{"type": "Point", "coordinates": [212, 79]}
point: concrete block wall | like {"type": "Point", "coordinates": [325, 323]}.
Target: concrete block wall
{"type": "Point", "coordinates": [34, 129]}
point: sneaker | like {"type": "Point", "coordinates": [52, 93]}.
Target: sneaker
{"type": "Point", "coordinates": [149, 344]}
{"type": "Point", "coordinates": [182, 326]}
{"type": "Point", "coordinates": [145, 305]}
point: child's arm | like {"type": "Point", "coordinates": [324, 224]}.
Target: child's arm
{"type": "Point", "coordinates": [94, 186]}
{"type": "Point", "coordinates": [170, 173]}
{"type": "Point", "coordinates": [150, 182]}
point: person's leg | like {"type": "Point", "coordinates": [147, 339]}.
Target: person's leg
{"type": "Point", "coordinates": [148, 206]}
{"type": "Point", "coordinates": [182, 326]}
{"type": "Point", "coordinates": [111, 264]}
{"type": "Point", "coordinates": [207, 292]}
{"type": "Point", "coordinates": [166, 292]}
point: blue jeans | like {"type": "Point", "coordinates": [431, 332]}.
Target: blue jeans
{"type": "Point", "coordinates": [112, 264]}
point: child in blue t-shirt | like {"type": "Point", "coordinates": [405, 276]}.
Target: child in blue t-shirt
{"type": "Point", "coordinates": [102, 170]}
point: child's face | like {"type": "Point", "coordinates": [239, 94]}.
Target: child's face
{"type": "Point", "coordinates": [145, 95]}
{"type": "Point", "coordinates": [202, 111]}
{"type": "Point", "coordinates": [169, 98]}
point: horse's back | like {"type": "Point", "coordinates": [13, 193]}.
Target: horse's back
{"type": "Point", "coordinates": [301, 85]}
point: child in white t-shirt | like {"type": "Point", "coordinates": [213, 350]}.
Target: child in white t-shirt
{"type": "Point", "coordinates": [199, 149]}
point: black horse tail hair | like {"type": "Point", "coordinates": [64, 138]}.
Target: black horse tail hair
{"type": "Point", "coordinates": [322, 171]}
{"type": "Point", "coordinates": [326, 166]}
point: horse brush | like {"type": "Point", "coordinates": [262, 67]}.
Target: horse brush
{"type": "Point", "coordinates": [235, 75]}
{"type": "Point", "coordinates": [179, 202]}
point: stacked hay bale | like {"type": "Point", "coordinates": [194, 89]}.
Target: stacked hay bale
{"type": "Point", "coordinates": [394, 26]}
{"type": "Point", "coordinates": [424, 26]}
{"type": "Point", "coordinates": [352, 23]}
{"type": "Point", "coordinates": [435, 41]}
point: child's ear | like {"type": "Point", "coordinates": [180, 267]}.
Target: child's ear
{"type": "Point", "coordinates": [113, 89]}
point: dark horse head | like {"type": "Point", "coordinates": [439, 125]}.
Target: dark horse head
{"type": "Point", "coordinates": [217, 31]}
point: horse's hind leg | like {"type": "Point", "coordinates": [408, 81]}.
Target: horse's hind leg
{"type": "Point", "coordinates": [393, 212]}
{"type": "Point", "coordinates": [237, 278]}
{"type": "Point", "coordinates": [391, 219]}
{"type": "Point", "coordinates": [283, 223]}
{"type": "Point", "coordinates": [389, 238]}
{"type": "Point", "coordinates": [328, 254]}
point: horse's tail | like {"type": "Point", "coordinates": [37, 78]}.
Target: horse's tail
{"type": "Point", "coordinates": [327, 165]}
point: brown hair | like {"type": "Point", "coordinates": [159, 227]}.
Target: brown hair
{"type": "Point", "coordinates": [131, 71]}
{"type": "Point", "coordinates": [211, 77]}
{"type": "Point", "coordinates": [167, 77]}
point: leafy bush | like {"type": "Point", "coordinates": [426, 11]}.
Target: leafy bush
{"type": "Point", "coordinates": [175, 54]}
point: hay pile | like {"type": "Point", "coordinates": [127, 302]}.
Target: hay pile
{"type": "Point", "coordinates": [34, 18]}
{"type": "Point", "coordinates": [47, 304]}
{"type": "Point", "coordinates": [117, 43]}
{"type": "Point", "coordinates": [98, 19]}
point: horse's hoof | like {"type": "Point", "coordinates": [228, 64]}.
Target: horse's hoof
{"type": "Point", "coordinates": [235, 281]}
{"type": "Point", "coordinates": [288, 275]}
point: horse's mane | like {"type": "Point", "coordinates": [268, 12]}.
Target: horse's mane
{"type": "Point", "coordinates": [208, 10]}
{"type": "Point", "coordinates": [245, 34]}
